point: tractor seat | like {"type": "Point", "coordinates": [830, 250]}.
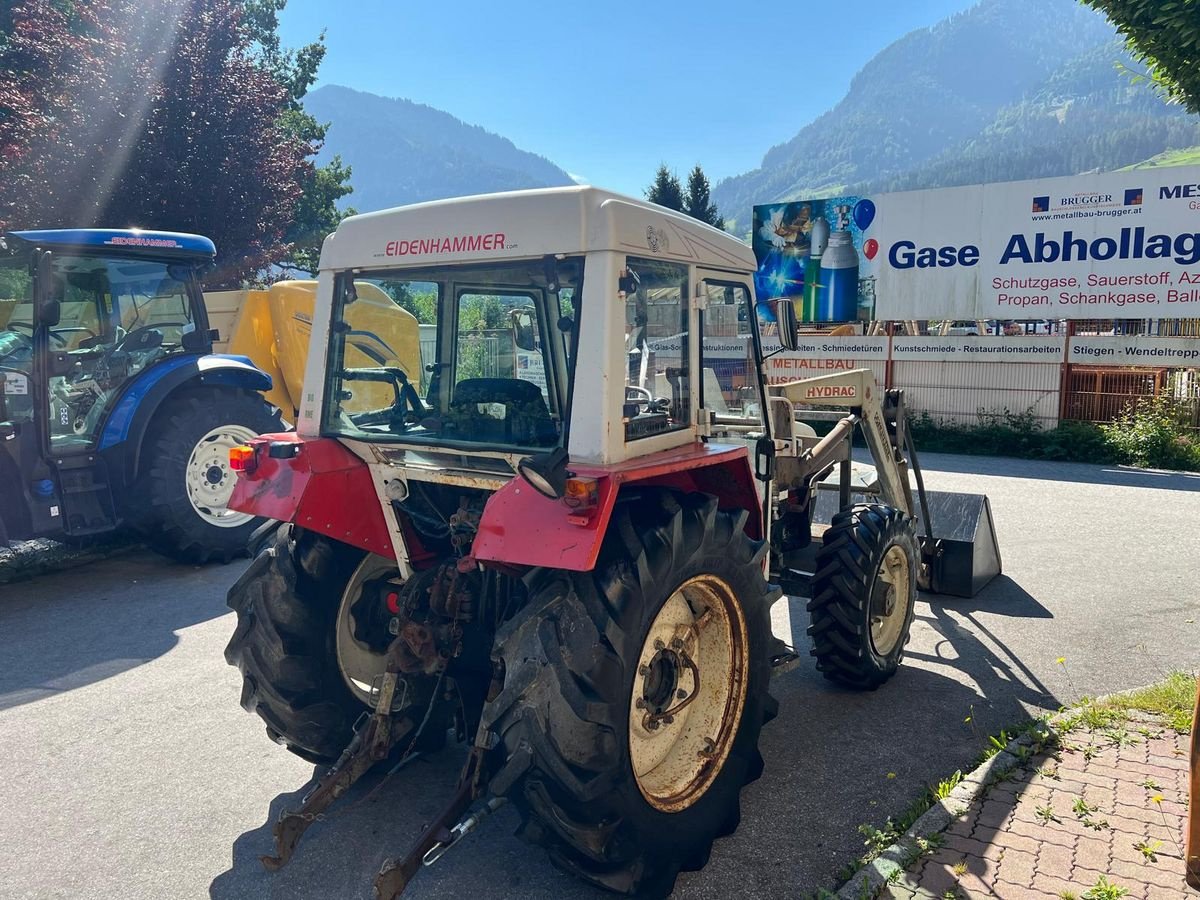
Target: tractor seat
{"type": "Point", "coordinates": [500, 411]}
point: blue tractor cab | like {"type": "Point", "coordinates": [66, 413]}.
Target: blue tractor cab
{"type": "Point", "coordinates": [114, 410]}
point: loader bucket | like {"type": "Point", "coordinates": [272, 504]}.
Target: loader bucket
{"type": "Point", "coordinates": [963, 555]}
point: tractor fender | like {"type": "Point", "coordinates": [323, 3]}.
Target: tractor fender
{"type": "Point", "coordinates": [124, 429]}
{"type": "Point", "coordinates": [321, 486]}
{"type": "Point", "coordinates": [521, 527]}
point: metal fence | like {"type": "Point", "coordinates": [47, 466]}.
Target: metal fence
{"type": "Point", "coordinates": [961, 391]}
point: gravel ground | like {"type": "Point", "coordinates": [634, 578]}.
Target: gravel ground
{"type": "Point", "coordinates": [133, 773]}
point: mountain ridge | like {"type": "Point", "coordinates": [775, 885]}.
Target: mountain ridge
{"type": "Point", "coordinates": [401, 151]}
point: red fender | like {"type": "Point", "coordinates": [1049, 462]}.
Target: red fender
{"type": "Point", "coordinates": [324, 488]}
{"type": "Point", "coordinates": [524, 528]}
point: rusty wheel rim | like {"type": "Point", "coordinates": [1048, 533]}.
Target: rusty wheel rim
{"type": "Point", "coordinates": [891, 597]}
{"type": "Point", "coordinates": [359, 664]}
{"type": "Point", "coordinates": [688, 693]}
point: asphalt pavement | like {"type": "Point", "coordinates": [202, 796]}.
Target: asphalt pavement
{"type": "Point", "coordinates": [131, 772]}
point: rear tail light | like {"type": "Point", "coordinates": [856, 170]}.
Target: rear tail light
{"type": "Point", "coordinates": [243, 458]}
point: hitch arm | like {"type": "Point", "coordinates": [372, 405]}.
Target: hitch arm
{"type": "Point", "coordinates": [372, 741]}
{"type": "Point", "coordinates": [394, 876]}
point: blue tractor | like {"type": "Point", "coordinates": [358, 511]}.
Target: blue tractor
{"type": "Point", "coordinates": [114, 411]}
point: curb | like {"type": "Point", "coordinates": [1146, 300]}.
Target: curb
{"type": "Point", "coordinates": [895, 859]}
{"type": "Point", "coordinates": [28, 559]}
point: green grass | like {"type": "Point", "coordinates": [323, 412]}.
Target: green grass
{"type": "Point", "coordinates": [1173, 698]}
{"type": "Point", "coordinates": [1187, 157]}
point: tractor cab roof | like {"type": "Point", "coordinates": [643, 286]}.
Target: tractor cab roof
{"type": "Point", "coordinates": [129, 240]}
{"type": "Point", "coordinates": [524, 224]}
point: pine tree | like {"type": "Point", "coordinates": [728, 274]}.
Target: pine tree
{"type": "Point", "coordinates": [698, 202]}
{"type": "Point", "coordinates": [317, 213]}
{"type": "Point", "coordinates": [666, 190]}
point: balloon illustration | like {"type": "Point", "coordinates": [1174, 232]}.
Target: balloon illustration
{"type": "Point", "coordinates": [864, 214]}
{"type": "Point", "coordinates": [871, 247]}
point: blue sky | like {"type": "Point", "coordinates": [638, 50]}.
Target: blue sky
{"type": "Point", "coordinates": [608, 90]}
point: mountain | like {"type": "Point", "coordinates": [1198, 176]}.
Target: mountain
{"type": "Point", "coordinates": [404, 152]}
{"type": "Point", "coordinates": [1007, 89]}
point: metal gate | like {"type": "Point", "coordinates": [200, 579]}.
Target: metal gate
{"type": "Point", "coordinates": [1096, 394]}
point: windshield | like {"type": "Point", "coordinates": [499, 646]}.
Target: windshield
{"type": "Point", "coordinates": [475, 356]}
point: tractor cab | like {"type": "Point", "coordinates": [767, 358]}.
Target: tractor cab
{"type": "Point", "coordinates": [83, 312]}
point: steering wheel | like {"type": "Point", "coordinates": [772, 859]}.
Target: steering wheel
{"type": "Point", "coordinates": [143, 329]}
{"type": "Point", "coordinates": [638, 395]}
{"type": "Point", "coordinates": [407, 401]}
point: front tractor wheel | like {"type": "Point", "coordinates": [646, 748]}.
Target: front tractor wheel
{"type": "Point", "coordinates": [634, 695]}
{"type": "Point", "coordinates": [864, 594]}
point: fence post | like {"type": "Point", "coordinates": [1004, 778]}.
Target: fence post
{"type": "Point", "coordinates": [1064, 383]}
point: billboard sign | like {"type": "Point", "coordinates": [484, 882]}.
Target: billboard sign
{"type": "Point", "coordinates": [1116, 245]}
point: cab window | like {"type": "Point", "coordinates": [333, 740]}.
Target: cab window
{"type": "Point", "coordinates": [657, 376]}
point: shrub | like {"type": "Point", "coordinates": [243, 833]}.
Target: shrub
{"type": "Point", "coordinates": [1154, 433]}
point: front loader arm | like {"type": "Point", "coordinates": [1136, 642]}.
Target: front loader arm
{"type": "Point", "coordinates": [857, 389]}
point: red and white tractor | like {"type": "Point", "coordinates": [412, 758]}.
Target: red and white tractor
{"type": "Point", "coordinates": [559, 537]}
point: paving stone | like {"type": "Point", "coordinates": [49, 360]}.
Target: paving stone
{"type": "Point", "coordinates": [1017, 867]}
{"type": "Point", "coordinates": [1056, 885]}
{"type": "Point", "coordinates": [1042, 833]}
{"type": "Point", "coordinates": [937, 878]}
{"type": "Point", "coordinates": [1054, 859]}
{"type": "Point", "coordinates": [1093, 853]}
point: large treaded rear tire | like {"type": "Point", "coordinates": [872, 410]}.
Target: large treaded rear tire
{"type": "Point", "coordinates": [847, 567]}
{"type": "Point", "coordinates": [286, 603]}
{"type": "Point", "coordinates": [170, 523]}
{"type": "Point", "coordinates": [570, 660]}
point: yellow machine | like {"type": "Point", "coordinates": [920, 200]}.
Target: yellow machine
{"type": "Point", "coordinates": [272, 327]}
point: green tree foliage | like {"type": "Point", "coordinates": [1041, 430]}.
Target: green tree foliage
{"type": "Point", "coordinates": [698, 202]}
{"type": "Point", "coordinates": [317, 213]}
{"type": "Point", "coordinates": [666, 190]}
{"type": "Point", "coordinates": [160, 115]}
{"type": "Point", "coordinates": [1165, 36]}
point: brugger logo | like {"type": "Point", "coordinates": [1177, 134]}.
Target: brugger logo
{"type": "Point", "coordinates": [1134, 196]}
{"type": "Point", "coordinates": [1041, 204]}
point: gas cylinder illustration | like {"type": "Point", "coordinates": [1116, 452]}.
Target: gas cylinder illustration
{"type": "Point", "coordinates": [838, 297]}
{"type": "Point", "coordinates": [813, 284]}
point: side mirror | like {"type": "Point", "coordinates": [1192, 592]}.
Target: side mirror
{"type": "Point", "coordinates": [785, 315]}
{"type": "Point", "coordinates": [47, 310]}
{"type": "Point", "coordinates": [524, 329]}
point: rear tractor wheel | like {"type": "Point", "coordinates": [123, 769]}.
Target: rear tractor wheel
{"type": "Point", "coordinates": [311, 644]}
{"type": "Point", "coordinates": [634, 695]}
{"type": "Point", "coordinates": [863, 595]}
